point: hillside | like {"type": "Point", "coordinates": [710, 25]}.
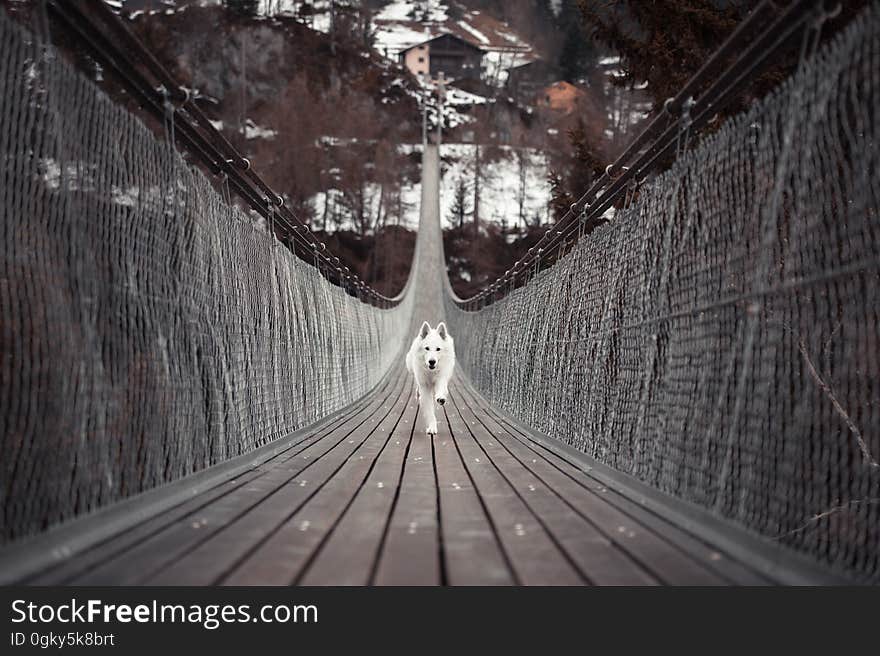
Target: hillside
{"type": "Point", "coordinates": [305, 112]}
{"type": "Point", "coordinates": [314, 94]}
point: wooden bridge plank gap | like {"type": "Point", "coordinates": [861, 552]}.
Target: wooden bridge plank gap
{"type": "Point", "coordinates": [280, 555]}
{"type": "Point", "coordinates": [672, 554]}
{"type": "Point", "coordinates": [232, 518]}
{"type": "Point", "coordinates": [75, 568]}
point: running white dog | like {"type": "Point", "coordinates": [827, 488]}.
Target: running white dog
{"type": "Point", "coordinates": [431, 360]}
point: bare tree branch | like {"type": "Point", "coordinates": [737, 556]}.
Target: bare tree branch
{"type": "Point", "coordinates": [866, 454]}
{"type": "Point", "coordinates": [827, 513]}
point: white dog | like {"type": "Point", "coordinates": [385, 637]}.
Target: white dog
{"type": "Point", "coordinates": [431, 360]}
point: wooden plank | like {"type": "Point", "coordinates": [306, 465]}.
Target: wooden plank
{"type": "Point", "coordinates": [80, 563]}
{"type": "Point", "coordinates": [636, 533]}
{"type": "Point", "coordinates": [599, 559]}
{"type": "Point", "coordinates": [145, 560]}
{"type": "Point", "coordinates": [480, 504]}
{"type": "Point", "coordinates": [281, 555]}
{"type": "Point", "coordinates": [471, 551]}
{"type": "Point", "coordinates": [79, 568]}
{"type": "Point", "coordinates": [411, 550]}
{"type": "Point", "coordinates": [711, 558]}
{"type": "Point", "coordinates": [348, 556]}
{"type": "Point", "coordinates": [532, 553]}
{"type": "Point", "coordinates": [707, 554]}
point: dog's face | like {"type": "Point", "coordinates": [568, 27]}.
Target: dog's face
{"type": "Point", "coordinates": [433, 345]}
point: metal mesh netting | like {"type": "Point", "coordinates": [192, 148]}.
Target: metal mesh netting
{"type": "Point", "coordinates": [148, 329]}
{"type": "Point", "coordinates": [720, 339]}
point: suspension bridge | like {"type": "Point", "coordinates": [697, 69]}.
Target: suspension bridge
{"type": "Point", "coordinates": [687, 396]}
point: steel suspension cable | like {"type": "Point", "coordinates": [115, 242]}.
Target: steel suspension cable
{"type": "Point", "coordinates": [200, 138]}
{"type": "Point", "coordinates": [655, 141]}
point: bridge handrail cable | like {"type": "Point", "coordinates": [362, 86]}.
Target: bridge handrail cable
{"type": "Point", "coordinates": [168, 100]}
{"type": "Point", "coordinates": [681, 114]}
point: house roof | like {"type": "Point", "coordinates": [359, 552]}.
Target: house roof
{"type": "Point", "coordinates": [535, 65]}
{"type": "Point", "coordinates": [561, 96]}
{"type": "Point", "coordinates": [444, 36]}
{"type": "Point", "coordinates": [534, 62]}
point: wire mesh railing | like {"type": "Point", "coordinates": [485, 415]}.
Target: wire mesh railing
{"type": "Point", "coordinates": [765, 34]}
{"type": "Point", "coordinates": [720, 338]}
{"type": "Point", "coordinates": [94, 25]}
{"type": "Point", "coordinates": [149, 328]}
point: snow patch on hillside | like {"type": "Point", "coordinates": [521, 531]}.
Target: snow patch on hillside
{"type": "Point", "coordinates": [474, 33]}
{"type": "Point", "coordinates": [429, 10]}
{"type": "Point", "coordinates": [391, 38]}
{"type": "Point", "coordinates": [254, 131]}
{"type": "Point", "coordinates": [517, 176]}
{"type": "Point", "coordinates": [497, 62]}
{"type": "Point", "coordinates": [456, 96]}
{"type": "Point", "coordinates": [402, 24]}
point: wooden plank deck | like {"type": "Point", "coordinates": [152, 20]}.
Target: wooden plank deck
{"type": "Point", "coordinates": [368, 498]}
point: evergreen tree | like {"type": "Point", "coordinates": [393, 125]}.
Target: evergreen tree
{"type": "Point", "coordinates": [664, 42]}
{"type": "Point", "coordinates": [583, 168]}
{"type": "Point", "coordinates": [459, 207]}
{"type": "Point", "coordinates": [243, 7]}
{"type": "Point", "coordinates": [544, 11]}
{"type": "Point", "coordinates": [577, 53]}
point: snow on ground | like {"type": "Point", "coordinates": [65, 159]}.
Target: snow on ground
{"type": "Point", "coordinates": [399, 10]}
{"type": "Point", "coordinates": [501, 189]}
{"type": "Point", "coordinates": [609, 61]}
{"type": "Point", "coordinates": [456, 104]}
{"type": "Point", "coordinates": [396, 25]}
{"type": "Point", "coordinates": [321, 22]}
{"type": "Point", "coordinates": [452, 118]}
{"type": "Point", "coordinates": [456, 96]}
{"type": "Point", "coordinates": [286, 7]}
{"type": "Point", "coordinates": [391, 38]}
{"type": "Point", "coordinates": [411, 201]}
{"type": "Point", "coordinates": [481, 39]}
{"type": "Point", "coordinates": [501, 185]}
{"type": "Point", "coordinates": [339, 218]}
{"type": "Point", "coordinates": [405, 23]}
{"type": "Point", "coordinates": [496, 63]}
{"type": "Point", "coordinates": [512, 39]}
{"type": "Point", "coordinates": [252, 131]}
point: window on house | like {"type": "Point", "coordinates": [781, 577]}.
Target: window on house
{"type": "Point", "coordinates": [421, 60]}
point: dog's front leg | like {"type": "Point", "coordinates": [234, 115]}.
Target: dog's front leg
{"type": "Point", "coordinates": [442, 392]}
{"type": "Point", "coordinates": [426, 408]}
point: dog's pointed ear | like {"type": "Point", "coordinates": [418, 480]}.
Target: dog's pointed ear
{"type": "Point", "coordinates": [426, 328]}
{"type": "Point", "coordinates": [441, 329]}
